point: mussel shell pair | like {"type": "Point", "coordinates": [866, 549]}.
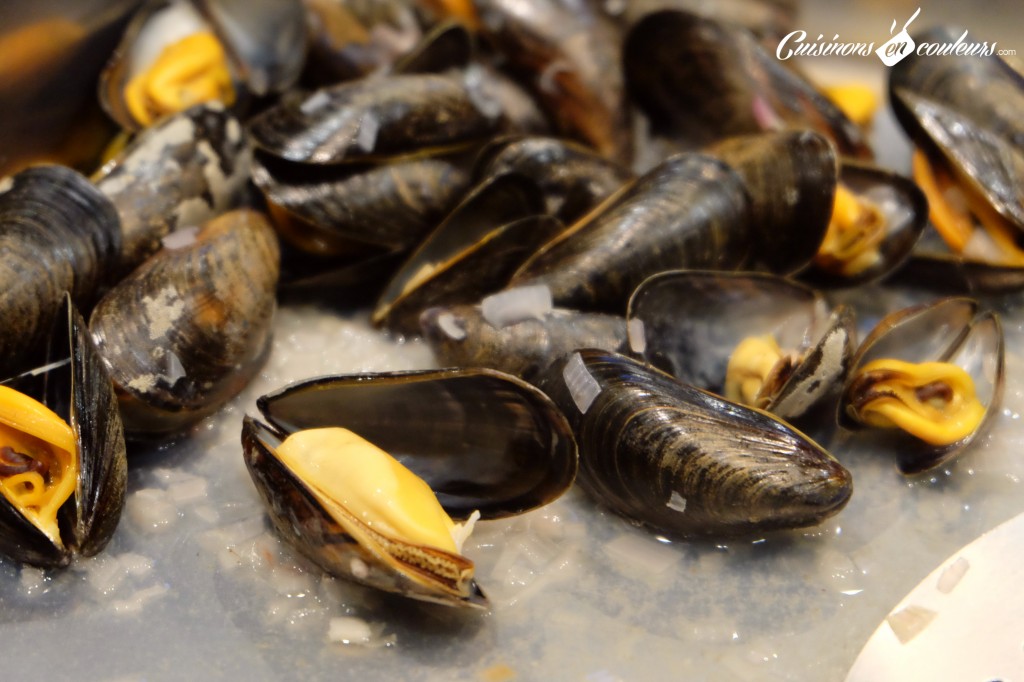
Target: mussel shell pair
{"type": "Point", "coordinates": [482, 440]}
{"type": "Point", "coordinates": [952, 330]}
{"type": "Point", "coordinates": [188, 329]}
{"type": "Point", "coordinates": [963, 111]}
{"type": "Point", "coordinates": [688, 323]}
{"type": "Point", "coordinates": [57, 234]}
{"type": "Point", "coordinates": [686, 462]}
{"type": "Point", "coordinates": [264, 40]}
{"type": "Point", "coordinates": [75, 385]}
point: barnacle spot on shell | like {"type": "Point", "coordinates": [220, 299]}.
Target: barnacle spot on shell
{"type": "Point", "coordinates": [163, 312]}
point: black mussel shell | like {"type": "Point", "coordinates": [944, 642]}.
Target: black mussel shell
{"type": "Point", "coordinates": [189, 328]}
{"type": "Point", "coordinates": [481, 439]}
{"type": "Point", "coordinates": [686, 462]}
{"type": "Point", "coordinates": [75, 385]}
{"type": "Point", "coordinates": [57, 234]}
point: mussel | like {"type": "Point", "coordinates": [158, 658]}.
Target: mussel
{"type": "Point", "coordinates": [686, 462]}
{"type": "Point", "coordinates": [690, 211]}
{"type": "Point", "coordinates": [191, 326]}
{"type": "Point", "coordinates": [930, 375]}
{"type": "Point", "coordinates": [57, 234]}
{"type": "Point", "coordinates": [483, 441]}
{"type": "Point", "coordinates": [180, 172]}
{"type": "Point", "coordinates": [177, 53]}
{"type": "Point", "coordinates": [753, 338]}
{"type": "Point", "coordinates": [63, 469]}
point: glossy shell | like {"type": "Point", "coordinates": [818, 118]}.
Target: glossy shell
{"type": "Point", "coordinates": [950, 330]}
{"type": "Point", "coordinates": [689, 323]}
{"type": "Point", "coordinates": [482, 440]}
{"type": "Point", "coordinates": [689, 211]}
{"type": "Point", "coordinates": [190, 327]}
{"type": "Point", "coordinates": [705, 80]}
{"type": "Point", "coordinates": [686, 462]}
{"type": "Point", "coordinates": [57, 234]}
{"type": "Point", "coordinates": [78, 389]}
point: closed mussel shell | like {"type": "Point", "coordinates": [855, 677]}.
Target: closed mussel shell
{"type": "Point", "coordinates": [179, 172]}
{"type": "Point", "coordinates": [77, 388]}
{"type": "Point", "coordinates": [690, 211]}
{"type": "Point", "coordinates": [342, 210]}
{"type": "Point", "coordinates": [691, 323]}
{"type": "Point", "coordinates": [190, 327]}
{"type": "Point", "coordinates": [481, 439]}
{"type": "Point", "coordinates": [57, 234]}
{"type": "Point", "coordinates": [791, 179]}
{"type": "Point", "coordinates": [705, 80]}
{"type": "Point", "coordinates": [950, 330]}
{"type": "Point", "coordinates": [375, 118]}
{"type": "Point", "coordinates": [686, 462]}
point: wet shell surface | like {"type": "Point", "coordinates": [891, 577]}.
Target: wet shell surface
{"type": "Point", "coordinates": [57, 234]}
{"type": "Point", "coordinates": [950, 330]}
{"type": "Point", "coordinates": [178, 173]}
{"type": "Point", "coordinates": [78, 389]}
{"type": "Point", "coordinates": [188, 328]}
{"type": "Point", "coordinates": [686, 462]}
{"type": "Point", "coordinates": [689, 211]}
{"type": "Point", "coordinates": [483, 441]}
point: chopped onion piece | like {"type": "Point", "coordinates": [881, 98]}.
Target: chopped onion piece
{"type": "Point", "coordinates": [349, 630]}
{"type": "Point", "coordinates": [180, 238]}
{"type": "Point", "coordinates": [462, 531]}
{"type": "Point", "coordinates": [635, 332]}
{"type": "Point", "coordinates": [909, 622]}
{"type": "Point", "coordinates": [449, 324]}
{"type": "Point", "coordinates": [676, 502]}
{"type": "Point", "coordinates": [582, 386]}
{"type": "Point", "coordinates": [516, 305]}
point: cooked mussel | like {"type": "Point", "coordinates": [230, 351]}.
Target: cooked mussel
{"type": "Point", "coordinates": [690, 211]}
{"type": "Point", "coordinates": [684, 461]}
{"type": "Point", "coordinates": [180, 172]}
{"type": "Point", "coordinates": [177, 53]}
{"type": "Point", "coordinates": [932, 376]}
{"type": "Point", "coordinates": [63, 470]}
{"type": "Point", "coordinates": [187, 329]}
{"type": "Point", "coordinates": [481, 440]}
{"type": "Point", "coordinates": [57, 234]}
{"type": "Point", "coordinates": [960, 112]}
{"type": "Point", "coordinates": [757, 339]}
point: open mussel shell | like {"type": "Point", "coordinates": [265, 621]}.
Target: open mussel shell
{"type": "Point", "coordinates": [690, 211]}
{"type": "Point", "coordinates": [191, 326]}
{"type": "Point", "coordinates": [180, 172]}
{"type": "Point", "coordinates": [75, 385]}
{"type": "Point", "coordinates": [899, 204]}
{"type": "Point", "coordinates": [689, 323]}
{"type": "Point", "coordinates": [684, 461]}
{"type": "Point", "coordinates": [482, 440]}
{"type": "Point", "coordinates": [377, 118]}
{"type": "Point", "coordinates": [705, 80]}
{"type": "Point", "coordinates": [949, 330]}
{"type": "Point", "coordinates": [572, 56]}
{"type": "Point", "coordinates": [264, 42]}
{"type": "Point", "coordinates": [470, 336]}
{"type": "Point", "coordinates": [57, 234]}
{"type": "Point", "coordinates": [574, 178]}
{"type": "Point", "coordinates": [472, 253]}
{"type": "Point", "coordinates": [791, 180]}
{"type": "Point", "coordinates": [339, 210]}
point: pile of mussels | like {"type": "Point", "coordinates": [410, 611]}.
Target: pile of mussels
{"type": "Point", "coordinates": [615, 230]}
